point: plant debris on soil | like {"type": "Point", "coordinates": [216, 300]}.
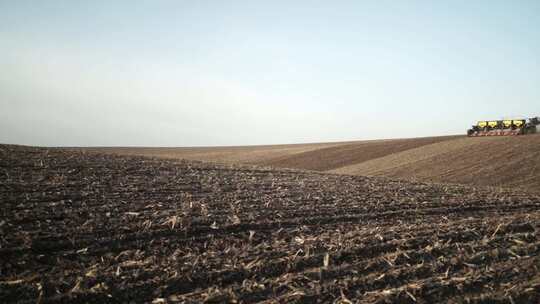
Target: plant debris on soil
{"type": "Point", "coordinates": [94, 228]}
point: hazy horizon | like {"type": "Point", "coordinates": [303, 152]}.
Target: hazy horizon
{"type": "Point", "coordinates": [209, 73]}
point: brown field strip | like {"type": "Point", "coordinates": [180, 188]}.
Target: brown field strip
{"type": "Point", "coordinates": [324, 159]}
{"type": "Point", "coordinates": [239, 154]}
{"type": "Point", "coordinates": [319, 156]}
{"type": "Point", "coordinates": [486, 161]}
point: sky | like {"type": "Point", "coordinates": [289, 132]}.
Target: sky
{"type": "Point", "coordinates": [213, 73]}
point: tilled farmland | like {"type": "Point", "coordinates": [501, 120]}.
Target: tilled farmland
{"type": "Point", "coordinates": [94, 228]}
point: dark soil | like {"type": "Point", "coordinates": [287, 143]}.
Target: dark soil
{"type": "Point", "coordinates": [94, 228]}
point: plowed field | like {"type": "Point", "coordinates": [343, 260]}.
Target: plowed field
{"type": "Point", "coordinates": [238, 154]}
{"type": "Point", "coordinates": [102, 228]}
{"type": "Point", "coordinates": [509, 161]}
{"type": "Point", "coordinates": [349, 154]}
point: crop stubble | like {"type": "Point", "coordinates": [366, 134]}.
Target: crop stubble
{"type": "Point", "coordinates": [87, 227]}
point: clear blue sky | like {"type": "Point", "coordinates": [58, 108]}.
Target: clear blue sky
{"type": "Point", "coordinates": [188, 73]}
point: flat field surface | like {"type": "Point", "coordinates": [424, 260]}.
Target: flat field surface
{"type": "Point", "coordinates": [94, 228]}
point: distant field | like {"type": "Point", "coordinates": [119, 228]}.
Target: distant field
{"type": "Point", "coordinates": [315, 156]}
{"type": "Point", "coordinates": [240, 154]}
{"type": "Point", "coordinates": [487, 161]}
{"type": "Point", "coordinates": [347, 154]}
